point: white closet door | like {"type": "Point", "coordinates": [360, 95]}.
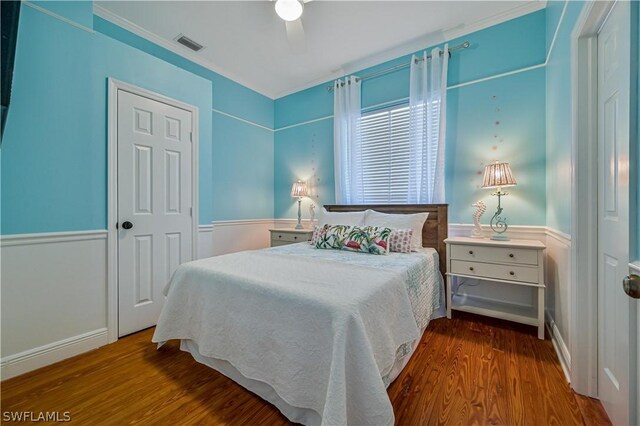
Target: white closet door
{"type": "Point", "coordinates": [154, 205]}
{"type": "Point", "coordinates": [615, 308]}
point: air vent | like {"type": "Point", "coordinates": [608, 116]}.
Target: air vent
{"type": "Point", "coordinates": [186, 41]}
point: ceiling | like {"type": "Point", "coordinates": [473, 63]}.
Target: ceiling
{"type": "Point", "coordinates": [246, 41]}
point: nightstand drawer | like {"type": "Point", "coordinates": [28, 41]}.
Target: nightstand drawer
{"type": "Point", "coordinates": [491, 271]}
{"type": "Point", "coordinates": [290, 237]}
{"type": "Point", "coordinates": [494, 254]}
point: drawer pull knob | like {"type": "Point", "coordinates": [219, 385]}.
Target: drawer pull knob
{"type": "Point", "coordinates": [279, 236]}
{"type": "Point", "coordinates": [511, 255]}
{"type": "Point", "coordinates": [471, 252]}
{"type": "Point", "coordinates": [471, 268]}
{"type": "Point", "coordinates": [511, 273]}
{"type": "Point", "coordinates": [295, 238]}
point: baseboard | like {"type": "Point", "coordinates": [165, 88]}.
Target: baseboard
{"type": "Point", "coordinates": [32, 359]}
{"type": "Point", "coordinates": [560, 347]}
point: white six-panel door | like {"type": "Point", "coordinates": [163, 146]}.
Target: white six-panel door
{"type": "Point", "coordinates": [155, 199]}
{"type": "Point", "coordinates": [614, 306]}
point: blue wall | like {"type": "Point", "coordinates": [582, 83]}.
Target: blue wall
{"type": "Point", "coordinates": [559, 114]}
{"type": "Point", "coordinates": [54, 150]}
{"type": "Point", "coordinates": [517, 102]}
{"type": "Point", "coordinates": [53, 156]}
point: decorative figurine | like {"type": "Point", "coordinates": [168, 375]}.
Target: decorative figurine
{"type": "Point", "coordinates": [481, 207]}
{"type": "Point", "coordinates": [312, 213]}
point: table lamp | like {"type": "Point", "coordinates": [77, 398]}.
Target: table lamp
{"type": "Point", "coordinates": [299, 189]}
{"type": "Point", "coordinates": [498, 175]}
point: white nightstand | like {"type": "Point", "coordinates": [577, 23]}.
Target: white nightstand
{"type": "Point", "coordinates": [514, 262]}
{"type": "Point", "coordinates": [281, 237]}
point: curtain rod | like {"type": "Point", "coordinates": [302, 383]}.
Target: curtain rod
{"type": "Point", "coordinates": [401, 66]}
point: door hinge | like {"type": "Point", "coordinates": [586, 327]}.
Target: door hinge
{"type": "Point", "coordinates": [191, 211]}
{"type": "Point", "coordinates": [190, 136]}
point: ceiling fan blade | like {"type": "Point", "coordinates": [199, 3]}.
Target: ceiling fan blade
{"type": "Point", "coordinates": [297, 38]}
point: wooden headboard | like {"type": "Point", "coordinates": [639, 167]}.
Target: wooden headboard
{"type": "Point", "coordinates": [434, 231]}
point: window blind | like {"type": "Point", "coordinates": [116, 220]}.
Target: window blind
{"type": "Point", "coordinates": [387, 156]}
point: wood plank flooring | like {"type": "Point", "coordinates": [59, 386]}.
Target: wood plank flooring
{"type": "Point", "coordinates": [469, 370]}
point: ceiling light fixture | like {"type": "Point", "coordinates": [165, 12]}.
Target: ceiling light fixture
{"type": "Point", "coordinates": [289, 10]}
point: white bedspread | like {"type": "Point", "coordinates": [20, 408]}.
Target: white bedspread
{"type": "Point", "coordinates": [322, 332]}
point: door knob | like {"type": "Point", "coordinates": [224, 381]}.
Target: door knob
{"type": "Point", "coordinates": [631, 285]}
{"type": "Point", "coordinates": [127, 225]}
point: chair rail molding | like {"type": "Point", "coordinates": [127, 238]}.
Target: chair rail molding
{"type": "Point", "coordinates": [51, 237]}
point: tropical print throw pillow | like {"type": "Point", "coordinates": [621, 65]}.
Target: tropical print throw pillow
{"type": "Point", "coordinates": [357, 240]}
{"type": "Point", "coordinates": [378, 239]}
{"type": "Point", "coordinates": [368, 239]}
{"type": "Point", "coordinates": [332, 236]}
{"type": "Point", "coordinates": [400, 240]}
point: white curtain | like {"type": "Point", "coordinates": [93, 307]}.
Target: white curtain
{"type": "Point", "coordinates": [346, 141]}
{"type": "Point", "coordinates": [427, 126]}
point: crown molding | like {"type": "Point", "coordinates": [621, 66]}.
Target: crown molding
{"type": "Point", "coordinates": [58, 17]}
{"type": "Point", "coordinates": [169, 45]}
{"type": "Point", "coordinates": [422, 42]}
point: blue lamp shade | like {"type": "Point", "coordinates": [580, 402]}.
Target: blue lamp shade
{"type": "Point", "coordinates": [299, 189]}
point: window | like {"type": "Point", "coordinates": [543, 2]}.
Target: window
{"type": "Point", "coordinates": [387, 157]}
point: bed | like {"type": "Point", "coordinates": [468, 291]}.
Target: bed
{"type": "Point", "coordinates": [320, 334]}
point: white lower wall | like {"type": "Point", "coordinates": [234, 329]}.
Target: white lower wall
{"type": "Point", "coordinates": [558, 306]}
{"type": "Point", "coordinates": [53, 298]}
{"type": "Point", "coordinates": [230, 236]}
{"type": "Point", "coordinates": [54, 287]}
{"type": "Point", "coordinates": [205, 241]}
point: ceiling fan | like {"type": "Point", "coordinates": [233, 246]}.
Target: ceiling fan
{"type": "Point", "coordinates": [291, 12]}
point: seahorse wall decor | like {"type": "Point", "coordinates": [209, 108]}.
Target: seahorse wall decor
{"type": "Point", "coordinates": [481, 207]}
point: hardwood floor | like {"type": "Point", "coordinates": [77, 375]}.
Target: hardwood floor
{"type": "Point", "coordinates": [470, 370]}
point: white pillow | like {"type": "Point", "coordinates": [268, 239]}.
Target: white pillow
{"type": "Point", "coordinates": [340, 218]}
{"type": "Point", "coordinates": [414, 221]}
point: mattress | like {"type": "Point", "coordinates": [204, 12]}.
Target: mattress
{"type": "Point", "coordinates": [318, 333]}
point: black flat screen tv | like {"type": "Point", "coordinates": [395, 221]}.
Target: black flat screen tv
{"type": "Point", "coordinates": [10, 11]}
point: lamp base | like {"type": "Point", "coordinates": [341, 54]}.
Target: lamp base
{"type": "Point", "coordinates": [299, 225]}
{"type": "Point", "coordinates": [500, 237]}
